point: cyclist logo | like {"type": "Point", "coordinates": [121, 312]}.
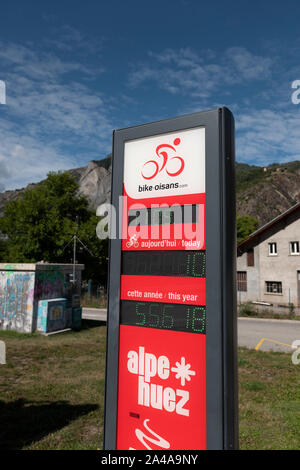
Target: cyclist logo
{"type": "Point", "coordinates": [132, 242]}
{"type": "Point", "coordinates": [163, 151]}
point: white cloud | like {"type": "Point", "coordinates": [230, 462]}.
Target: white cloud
{"type": "Point", "coordinates": [200, 74]}
{"type": "Point", "coordinates": [24, 159]}
{"type": "Point", "coordinates": [25, 61]}
{"type": "Point", "coordinates": [52, 119]}
{"type": "Point", "coordinates": [254, 86]}
{"type": "Point", "coordinates": [266, 136]}
{"type": "Point", "coordinates": [67, 39]}
{"type": "Point", "coordinates": [249, 66]}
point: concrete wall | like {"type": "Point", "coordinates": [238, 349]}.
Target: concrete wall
{"type": "Point", "coordinates": [253, 285]}
{"type": "Point", "coordinates": [53, 282]}
{"type": "Point", "coordinates": [22, 286]}
{"type": "Point", "coordinates": [16, 299]}
{"type": "Point", "coordinates": [282, 267]}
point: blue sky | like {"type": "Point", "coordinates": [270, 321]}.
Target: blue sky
{"type": "Point", "coordinates": [75, 70]}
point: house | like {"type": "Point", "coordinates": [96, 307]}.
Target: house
{"type": "Point", "coordinates": [268, 262]}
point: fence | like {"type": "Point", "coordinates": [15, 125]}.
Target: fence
{"type": "Point", "coordinates": [94, 295]}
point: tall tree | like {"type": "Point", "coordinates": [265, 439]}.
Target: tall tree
{"type": "Point", "coordinates": [41, 222]}
{"type": "Point", "coordinates": [246, 224]}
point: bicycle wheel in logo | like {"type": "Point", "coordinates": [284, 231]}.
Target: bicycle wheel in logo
{"type": "Point", "coordinates": [132, 242]}
{"type": "Point", "coordinates": [162, 151]}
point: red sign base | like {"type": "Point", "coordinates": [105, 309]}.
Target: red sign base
{"type": "Point", "coordinates": [162, 392]}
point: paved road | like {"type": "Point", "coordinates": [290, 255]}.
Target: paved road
{"type": "Point", "coordinates": [268, 335]}
{"type": "Point", "coordinates": [262, 334]}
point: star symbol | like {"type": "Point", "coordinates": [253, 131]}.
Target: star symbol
{"type": "Point", "coordinates": [182, 371]}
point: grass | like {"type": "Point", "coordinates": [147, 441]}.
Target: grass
{"type": "Point", "coordinates": [52, 392]}
{"type": "Point", "coordinates": [94, 301]}
{"type": "Point", "coordinates": [248, 309]}
{"type": "Point", "coordinates": [269, 400]}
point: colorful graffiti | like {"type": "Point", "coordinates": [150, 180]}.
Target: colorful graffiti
{"type": "Point", "coordinates": [21, 291]}
{"type": "Point", "coordinates": [16, 300]}
{"type": "Point", "coordinates": [54, 284]}
{"type": "Point", "coordinates": [52, 315]}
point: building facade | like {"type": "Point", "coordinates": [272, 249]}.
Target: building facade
{"type": "Point", "coordinates": [268, 263]}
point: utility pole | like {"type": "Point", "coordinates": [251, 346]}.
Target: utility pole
{"type": "Point", "coordinates": [74, 239]}
{"type": "Point", "coordinates": [74, 251]}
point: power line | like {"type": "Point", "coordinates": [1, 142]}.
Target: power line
{"type": "Point", "coordinates": [74, 239]}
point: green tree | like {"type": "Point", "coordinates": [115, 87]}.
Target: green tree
{"type": "Point", "coordinates": [246, 224]}
{"type": "Point", "coordinates": [41, 222]}
{"type": "Point", "coordinates": [3, 250]}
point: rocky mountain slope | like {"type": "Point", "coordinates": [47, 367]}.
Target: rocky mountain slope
{"type": "Point", "coordinates": [263, 193]}
{"type": "Point", "coordinates": [94, 182]}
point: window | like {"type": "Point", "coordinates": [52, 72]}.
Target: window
{"type": "Point", "coordinates": [274, 287]}
{"type": "Point", "coordinates": [272, 249]}
{"type": "Point", "coordinates": [294, 248]}
{"type": "Point", "coordinates": [242, 281]}
{"type": "Point", "coordinates": [250, 257]}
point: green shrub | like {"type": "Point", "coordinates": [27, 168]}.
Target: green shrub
{"type": "Point", "coordinates": [247, 310]}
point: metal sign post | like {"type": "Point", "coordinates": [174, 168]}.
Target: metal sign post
{"type": "Point", "coordinates": [171, 372]}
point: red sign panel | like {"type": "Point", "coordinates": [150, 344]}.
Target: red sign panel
{"type": "Point", "coordinates": [161, 399]}
{"type": "Point", "coordinates": [177, 290]}
{"type": "Point", "coordinates": [162, 341]}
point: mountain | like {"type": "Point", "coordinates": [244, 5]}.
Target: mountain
{"type": "Point", "coordinates": [266, 192]}
{"type": "Point", "coordinates": [94, 182]}
{"type": "Point", "coordinates": [262, 192]}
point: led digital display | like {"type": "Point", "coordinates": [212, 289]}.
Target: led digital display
{"type": "Point", "coordinates": [165, 316]}
{"type": "Point", "coordinates": [188, 213]}
{"type": "Point", "coordinates": [164, 263]}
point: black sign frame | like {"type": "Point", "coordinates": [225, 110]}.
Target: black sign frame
{"type": "Point", "coordinates": [221, 326]}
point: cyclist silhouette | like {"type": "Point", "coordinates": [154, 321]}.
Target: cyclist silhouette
{"type": "Point", "coordinates": [162, 151]}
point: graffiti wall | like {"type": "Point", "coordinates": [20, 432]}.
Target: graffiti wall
{"type": "Point", "coordinates": [52, 315]}
{"type": "Point", "coordinates": [16, 300]}
{"type": "Point", "coordinates": [23, 286]}
{"type": "Point", "coordinates": [53, 282]}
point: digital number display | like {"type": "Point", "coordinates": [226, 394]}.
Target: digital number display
{"type": "Point", "coordinates": [189, 213]}
{"type": "Point", "coordinates": [164, 316]}
{"type": "Point", "coordinates": [164, 263]}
